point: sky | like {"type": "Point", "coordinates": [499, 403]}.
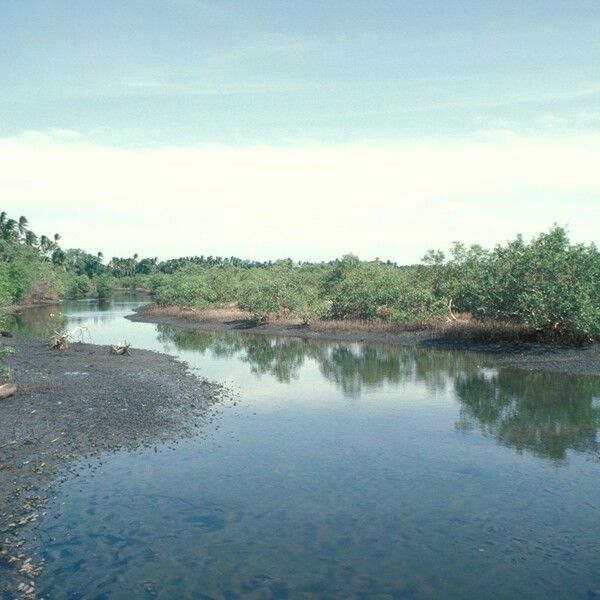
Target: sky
{"type": "Point", "coordinates": [299, 129]}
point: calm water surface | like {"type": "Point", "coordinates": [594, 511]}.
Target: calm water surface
{"type": "Point", "coordinates": [342, 471]}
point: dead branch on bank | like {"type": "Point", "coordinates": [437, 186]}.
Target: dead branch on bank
{"type": "Point", "coordinates": [61, 340]}
{"type": "Point", "coordinates": [121, 349]}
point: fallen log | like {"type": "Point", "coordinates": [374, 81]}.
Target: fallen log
{"type": "Point", "coordinates": [7, 390]}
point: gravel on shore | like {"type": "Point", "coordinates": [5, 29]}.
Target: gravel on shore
{"type": "Point", "coordinates": [78, 403]}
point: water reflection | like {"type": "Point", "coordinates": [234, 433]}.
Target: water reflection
{"type": "Point", "coordinates": [280, 357]}
{"type": "Point", "coordinates": [40, 321]}
{"type": "Point", "coordinates": [546, 414]}
{"type": "Point", "coordinates": [352, 367]}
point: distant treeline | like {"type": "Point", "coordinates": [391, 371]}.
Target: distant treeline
{"type": "Point", "coordinates": [547, 284]}
{"type": "Point", "coordinates": [88, 264]}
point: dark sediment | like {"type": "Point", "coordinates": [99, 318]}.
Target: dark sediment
{"type": "Point", "coordinates": [76, 403]}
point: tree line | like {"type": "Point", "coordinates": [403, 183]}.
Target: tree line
{"type": "Point", "coordinates": [547, 286]}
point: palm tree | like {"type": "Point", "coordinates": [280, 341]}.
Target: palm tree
{"type": "Point", "coordinates": [59, 258]}
{"type": "Point", "coordinates": [9, 230]}
{"type": "Point", "coordinates": [23, 224]}
{"type": "Point", "coordinates": [30, 238]}
{"type": "Point", "coordinates": [46, 245]}
{"type": "Point", "coordinates": [133, 263]}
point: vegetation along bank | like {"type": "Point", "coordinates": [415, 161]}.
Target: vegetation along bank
{"type": "Point", "coordinates": [543, 290]}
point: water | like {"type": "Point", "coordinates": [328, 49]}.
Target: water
{"type": "Point", "coordinates": [343, 471]}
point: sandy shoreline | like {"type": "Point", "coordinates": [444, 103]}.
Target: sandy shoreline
{"type": "Point", "coordinates": [82, 402]}
{"type": "Point", "coordinates": [581, 360]}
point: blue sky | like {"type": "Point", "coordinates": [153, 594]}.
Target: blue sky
{"type": "Point", "coordinates": [301, 76]}
{"type": "Point", "coordinates": [184, 71]}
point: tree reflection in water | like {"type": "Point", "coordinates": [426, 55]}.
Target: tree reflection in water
{"type": "Point", "coordinates": [546, 414]}
{"type": "Point", "coordinates": [40, 321]}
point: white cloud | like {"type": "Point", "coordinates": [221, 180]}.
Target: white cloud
{"type": "Point", "coordinates": [64, 134]}
{"type": "Point", "coordinates": [313, 202]}
{"type": "Point", "coordinates": [34, 135]}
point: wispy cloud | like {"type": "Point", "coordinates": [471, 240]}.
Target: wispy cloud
{"type": "Point", "coordinates": [48, 135]}
{"type": "Point", "coordinates": [65, 134]}
{"type": "Point", "coordinates": [199, 89]}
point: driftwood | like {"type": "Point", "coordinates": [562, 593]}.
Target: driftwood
{"type": "Point", "coordinates": [121, 349]}
{"type": "Point", "coordinates": [62, 339]}
{"type": "Point", "coordinates": [7, 390]}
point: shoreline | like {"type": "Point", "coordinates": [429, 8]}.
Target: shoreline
{"type": "Point", "coordinates": [577, 360]}
{"type": "Point", "coordinates": [83, 402]}
{"type": "Point", "coordinates": [15, 308]}
{"type": "Point", "coordinates": [12, 309]}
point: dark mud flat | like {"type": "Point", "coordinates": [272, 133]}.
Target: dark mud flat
{"type": "Point", "coordinates": [77, 403]}
{"type": "Point", "coordinates": [584, 360]}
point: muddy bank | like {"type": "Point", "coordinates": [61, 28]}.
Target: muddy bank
{"type": "Point", "coordinates": [583, 360]}
{"type": "Point", "coordinates": [77, 403]}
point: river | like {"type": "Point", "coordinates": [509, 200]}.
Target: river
{"type": "Point", "coordinates": [335, 471]}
